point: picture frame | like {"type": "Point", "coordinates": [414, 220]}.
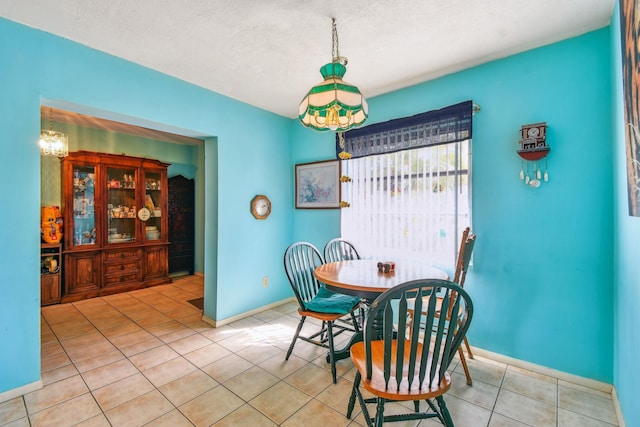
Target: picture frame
{"type": "Point", "coordinates": [317, 185]}
{"type": "Point", "coordinates": [631, 84]}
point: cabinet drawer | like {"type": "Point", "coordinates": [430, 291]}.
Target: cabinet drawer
{"type": "Point", "coordinates": [122, 267]}
{"type": "Point", "coordinates": [121, 254]}
{"type": "Point", "coordinates": [122, 278]}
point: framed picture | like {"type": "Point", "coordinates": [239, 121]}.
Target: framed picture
{"type": "Point", "coordinates": [318, 185]}
{"type": "Point", "coordinates": [629, 27]}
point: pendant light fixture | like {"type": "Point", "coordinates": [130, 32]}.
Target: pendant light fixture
{"type": "Point", "coordinates": [333, 104]}
{"type": "Point", "coordinates": [53, 143]}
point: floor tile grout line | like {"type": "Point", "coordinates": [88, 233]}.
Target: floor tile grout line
{"type": "Point", "coordinates": [89, 391]}
{"type": "Point", "coordinates": [176, 315]}
{"type": "Point", "coordinates": [119, 350]}
{"type": "Point", "coordinates": [156, 388]}
{"type": "Point", "coordinates": [219, 384]}
{"type": "Point", "coordinates": [98, 330]}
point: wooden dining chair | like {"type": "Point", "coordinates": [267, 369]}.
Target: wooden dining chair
{"type": "Point", "coordinates": [410, 362]}
{"type": "Point", "coordinates": [339, 249]}
{"type": "Point", "coordinates": [467, 242]}
{"type": "Point", "coordinates": [314, 300]}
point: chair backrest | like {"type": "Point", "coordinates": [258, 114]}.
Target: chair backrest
{"type": "Point", "coordinates": [464, 256]}
{"type": "Point", "coordinates": [300, 260]}
{"type": "Point", "coordinates": [416, 357]}
{"type": "Point", "coordinates": [339, 250]}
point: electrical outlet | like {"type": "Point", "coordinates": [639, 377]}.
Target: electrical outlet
{"type": "Point", "coordinates": [265, 281]}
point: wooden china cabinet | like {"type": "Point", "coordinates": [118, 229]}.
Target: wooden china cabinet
{"type": "Point", "coordinates": [116, 234]}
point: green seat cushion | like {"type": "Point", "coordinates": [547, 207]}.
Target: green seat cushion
{"type": "Point", "coordinates": [326, 301]}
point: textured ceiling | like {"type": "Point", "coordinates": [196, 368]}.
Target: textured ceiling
{"type": "Point", "coordinates": [267, 53]}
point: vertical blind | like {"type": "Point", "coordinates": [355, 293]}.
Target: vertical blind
{"type": "Point", "coordinates": [409, 193]}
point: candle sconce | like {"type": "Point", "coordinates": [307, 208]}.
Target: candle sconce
{"type": "Point", "coordinates": [533, 149]}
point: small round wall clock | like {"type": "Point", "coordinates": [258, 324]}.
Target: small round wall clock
{"type": "Point", "coordinates": [144, 214]}
{"type": "Point", "coordinates": [260, 207]}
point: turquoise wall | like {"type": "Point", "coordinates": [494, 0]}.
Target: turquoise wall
{"type": "Point", "coordinates": [542, 270]}
{"type": "Point", "coordinates": [316, 226]}
{"type": "Point", "coordinates": [543, 263]}
{"type": "Point", "coordinates": [627, 269]}
{"type": "Point", "coordinates": [239, 161]}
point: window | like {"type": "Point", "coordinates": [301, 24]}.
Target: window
{"type": "Point", "coordinates": [409, 203]}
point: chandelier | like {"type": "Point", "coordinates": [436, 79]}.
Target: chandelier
{"type": "Point", "coordinates": [53, 143]}
{"type": "Point", "coordinates": [333, 104]}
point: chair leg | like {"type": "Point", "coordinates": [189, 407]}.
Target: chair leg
{"type": "Point", "coordinates": [332, 358]}
{"type": "Point", "coordinates": [466, 344]}
{"type": "Point", "coordinates": [295, 337]}
{"type": "Point", "coordinates": [361, 400]}
{"type": "Point", "coordinates": [379, 412]}
{"type": "Point", "coordinates": [355, 321]}
{"type": "Point", "coordinates": [434, 409]}
{"type": "Point", "coordinates": [448, 422]}
{"type": "Point", "coordinates": [352, 399]}
{"type": "Point", "coordinates": [463, 360]}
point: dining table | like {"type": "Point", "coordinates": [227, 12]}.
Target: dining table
{"type": "Point", "coordinates": [362, 278]}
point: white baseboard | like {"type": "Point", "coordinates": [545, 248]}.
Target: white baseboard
{"type": "Point", "coordinates": [616, 405]}
{"type": "Point", "coordinates": [575, 379]}
{"type": "Point", "coordinates": [217, 323]}
{"type": "Point", "coordinates": [19, 391]}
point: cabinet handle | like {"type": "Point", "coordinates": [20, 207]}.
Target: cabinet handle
{"type": "Point", "coordinates": [122, 267]}
{"type": "Point", "coordinates": [122, 255]}
{"type": "Point", "coordinates": [122, 279]}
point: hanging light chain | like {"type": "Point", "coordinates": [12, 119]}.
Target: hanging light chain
{"type": "Point", "coordinates": [344, 154]}
{"type": "Point", "coordinates": [335, 51]}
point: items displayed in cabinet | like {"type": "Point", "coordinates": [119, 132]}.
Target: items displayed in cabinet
{"type": "Point", "coordinates": [152, 232]}
{"type": "Point", "coordinates": [127, 181]}
{"type": "Point", "coordinates": [49, 258]}
{"type": "Point", "coordinates": [155, 211]}
{"type": "Point", "coordinates": [83, 204]}
{"type": "Point", "coordinates": [121, 211]}
{"type": "Point", "coordinates": [121, 204]}
{"type": "Point", "coordinates": [152, 184]}
{"type": "Point", "coordinates": [86, 237]}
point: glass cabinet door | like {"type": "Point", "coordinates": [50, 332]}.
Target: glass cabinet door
{"type": "Point", "coordinates": [84, 219]}
{"type": "Point", "coordinates": [153, 226]}
{"type": "Point", "coordinates": [121, 205]}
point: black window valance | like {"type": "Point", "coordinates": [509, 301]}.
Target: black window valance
{"type": "Point", "coordinates": [444, 126]}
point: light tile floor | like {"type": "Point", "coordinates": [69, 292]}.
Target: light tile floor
{"type": "Point", "coordinates": [147, 358]}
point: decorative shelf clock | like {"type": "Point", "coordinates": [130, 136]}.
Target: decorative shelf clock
{"type": "Point", "coordinates": [534, 148]}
